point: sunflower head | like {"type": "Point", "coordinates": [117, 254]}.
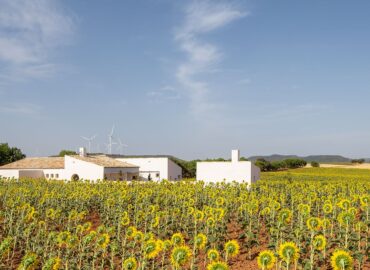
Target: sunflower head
{"type": "Point", "coordinates": [304, 209]}
{"type": "Point", "coordinates": [217, 266]}
{"type": "Point", "coordinates": [319, 242]}
{"type": "Point", "coordinates": [285, 216]}
{"type": "Point", "coordinates": [52, 264]}
{"type": "Point", "coordinates": [200, 241]}
{"type": "Point", "coordinates": [314, 224]}
{"type": "Point", "coordinates": [177, 239]}
{"type": "Point", "coordinates": [5, 246]}
{"type": "Point", "coordinates": [103, 240]}
{"type": "Point", "coordinates": [167, 244]}
{"type": "Point", "coordinates": [198, 215]}
{"type": "Point", "coordinates": [130, 232]}
{"type": "Point", "coordinates": [288, 252]}
{"type": "Point", "coordinates": [213, 255]}
{"type": "Point", "coordinates": [125, 220]}
{"type": "Point", "coordinates": [344, 204]}
{"type": "Point", "coordinates": [341, 260]}
{"type": "Point", "coordinates": [232, 248]}
{"type": "Point", "coordinates": [130, 264]}
{"type": "Point", "coordinates": [345, 218]}
{"type": "Point", "coordinates": [327, 208]}
{"type": "Point", "coordinates": [180, 255]}
{"type": "Point", "coordinates": [151, 249]}
{"type": "Point", "coordinates": [29, 262]}
{"type": "Point", "coordinates": [266, 259]}
{"type": "Point", "coordinates": [211, 222]}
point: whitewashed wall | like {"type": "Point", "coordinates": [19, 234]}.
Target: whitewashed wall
{"type": "Point", "coordinates": [241, 171]}
{"type": "Point", "coordinates": [159, 168]}
{"type": "Point", "coordinates": [85, 170]}
{"type": "Point", "coordinates": [9, 173]}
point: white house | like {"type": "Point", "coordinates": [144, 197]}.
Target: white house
{"type": "Point", "coordinates": [155, 167]}
{"type": "Point", "coordinates": [80, 166]}
{"type": "Point", "coordinates": [236, 170]}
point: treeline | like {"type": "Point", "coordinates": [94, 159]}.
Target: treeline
{"type": "Point", "coordinates": [9, 154]}
{"type": "Point", "coordinates": [290, 163]}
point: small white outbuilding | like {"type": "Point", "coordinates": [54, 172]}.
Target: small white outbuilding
{"type": "Point", "coordinates": [234, 170]}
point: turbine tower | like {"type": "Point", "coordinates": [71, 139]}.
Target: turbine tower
{"type": "Point", "coordinates": [89, 140]}
{"type": "Point", "coordinates": [120, 146]}
{"type": "Point", "coordinates": [110, 141]}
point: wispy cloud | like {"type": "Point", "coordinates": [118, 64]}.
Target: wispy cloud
{"type": "Point", "coordinates": [29, 32]}
{"type": "Point", "coordinates": [164, 94]}
{"type": "Point", "coordinates": [23, 108]}
{"type": "Point", "coordinates": [201, 17]}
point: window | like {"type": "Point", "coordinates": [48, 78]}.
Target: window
{"type": "Point", "coordinates": [52, 175]}
{"type": "Point", "coordinates": [179, 177]}
{"type": "Point", "coordinates": [157, 175]}
{"type": "Point", "coordinates": [47, 175]}
{"type": "Point", "coordinates": [56, 175]}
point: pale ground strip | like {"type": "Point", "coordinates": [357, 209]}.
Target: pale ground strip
{"type": "Point", "coordinates": [344, 166]}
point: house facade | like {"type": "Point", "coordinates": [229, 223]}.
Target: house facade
{"type": "Point", "coordinates": [81, 166]}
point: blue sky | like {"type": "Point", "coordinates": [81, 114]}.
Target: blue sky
{"type": "Point", "coordinates": [190, 78]}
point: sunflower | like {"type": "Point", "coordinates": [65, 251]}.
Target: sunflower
{"type": "Point", "coordinates": [155, 222]}
{"type": "Point", "coordinates": [345, 218]}
{"type": "Point", "coordinates": [341, 260]}
{"type": "Point", "coordinates": [5, 246]}
{"type": "Point", "coordinates": [327, 208]}
{"type": "Point", "coordinates": [180, 255]}
{"type": "Point", "coordinates": [103, 240]}
{"type": "Point", "coordinates": [265, 211]}
{"type": "Point", "coordinates": [213, 255]}
{"type": "Point", "coordinates": [325, 223]}
{"type": "Point", "coordinates": [130, 232]}
{"type": "Point", "coordinates": [125, 220]}
{"type": "Point", "coordinates": [220, 201]}
{"type": "Point", "coordinates": [314, 224]}
{"type": "Point", "coordinates": [151, 249]}
{"type": "Point", "coordinates": [344, 204]}
{"type": "Point", "coordinates": [52, 264]}
{"type": "Point", "coordinates": [177, 239]}
{"type": "Point", "coordinates": [288, 252]}
{"type": "Point", "coordinates": [29, 262]}
{"type": "Point", "coordinates": [285, 216]}
{"type": "Point", "coordinates": [319, 242]}
{"type": "Point", "coordinates": [63, 237]}
{"type": "Point", "coordinates": [167, 244]}
{"type": "Point", "coordinates": [232, 248]}
{"type": "Point", "coordinates": [200, 241]}
{"type": "Point", "coordinates": [130, 264]}
{"type": "Point", "coordinates": [364, 200]}
{"type": "Point", "coordinates": [266, 259]}
{"type": "Point", "coordinates": [138, 236]}
{"type": "Point", "coordinates": [211, 222]}
{"type": "Point", "coordinates": [198, 215]}
{"type": "Point", "coordinates": [217, 266]}
{"type": "Point", "coordinates": [304, 209]}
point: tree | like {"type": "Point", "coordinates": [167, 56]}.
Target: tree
{"type": "Point", "coordinates": [9, 154]}
{"type": "Point", "coordinates": [62, 153]}
{"type": "Point", "coordinates": [315, 164]}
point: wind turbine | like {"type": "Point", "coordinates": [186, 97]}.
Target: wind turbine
{"type": "Point", "coordinates": [121, 145]}
{"type": "Point", "coordinates": [110, 141]}
{"type": "Point", "coordinates": [89, 140]}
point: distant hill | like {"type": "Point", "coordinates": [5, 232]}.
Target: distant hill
{"type": "Point", "coordinates": [318, 158]}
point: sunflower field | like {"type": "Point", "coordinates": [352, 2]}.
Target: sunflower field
{"type": "Point", "coordinates": [301, 219]}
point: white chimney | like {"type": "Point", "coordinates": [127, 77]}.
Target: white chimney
{"type": "Point", "coordinates": [82, 152]}
{"type": "Point", "coordinates": [235, 155]}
